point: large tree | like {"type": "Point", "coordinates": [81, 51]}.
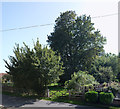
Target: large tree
{"type": "Point", "coordinates": [33, 69]}
{"type": "Point", "coordinates": [77, 41]}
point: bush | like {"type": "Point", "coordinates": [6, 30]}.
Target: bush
{"type": "Point", "coordinates": [91, 96]}
{"type": "Point", "coordinates": [80, 79]}
{"type": "Point", "coordinates": [106, 98]}
{"type": "Point", "coordinates": [115, 88]}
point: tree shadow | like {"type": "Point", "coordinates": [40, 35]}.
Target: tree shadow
{"type": "Point", "coordinates": [12, 101]}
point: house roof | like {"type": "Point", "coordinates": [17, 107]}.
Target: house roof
{"type": "Point", "coordinates": [2, 74]}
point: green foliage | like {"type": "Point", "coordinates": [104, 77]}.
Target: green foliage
{"type": "Point", "coordinates": [105, 68]}
{"type": "Point", "coordinates": [34, 68]}
{"type": "Point", "coordinates": [115, 88]}
{"type": "Point", "coordinates": [91, 96]}
{"type": "Point", "coordinates": [77, 41]}
{"type": "Point", "coordinates": [118, 75]}
{"type": "Point", "coordinates": [80, 79]}
{"type": "Point", "coordinates": [55, 94]}
{"type": "Point", "coordinates": [57, 91]}
{"type": "Point", "coordinates": [114, 107]}
{"type": "Point", "coordinates": [106, 98]}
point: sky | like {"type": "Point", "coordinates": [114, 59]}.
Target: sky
{"type": "Point", "coordinates": [24, 14]}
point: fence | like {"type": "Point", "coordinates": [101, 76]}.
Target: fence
{"type": "Point", "coordinates": [68, 93]}
{"type": "Point", "coordinates": [7, 88]}
{"type": "Point", "coordinates": [15, 90]}
{"type": "Point", "coordinates": [52, 93]}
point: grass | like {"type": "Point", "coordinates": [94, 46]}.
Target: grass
{"type": "Point", "coordinates": [111, 107]}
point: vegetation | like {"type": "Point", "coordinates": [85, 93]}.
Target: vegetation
{"type": "Point", "coordinates": [118, 75]}
{"type": "Point", "coordinates": [105, 68]}
{"type": "Point", "coordinates": [58, 90]}
{"type": "Point", "coordinates": [106, 98]}
{"type": "Point", "coordinates": [80, 79]}
{"type": "Point", "coordinates": [33, 69]}
{"type": "Point", "coordinates": [91, 96]}
{"type": "Point", "coordinates": [75, 59]}
{"type": "Point", "coordinates": [115, 88]}
{"type": "Point", "coordinates": [77, 41]}
{"type": "Point", "coordinates": [59, 99]}
{"type": "Point", "coordinates": [112, 107]}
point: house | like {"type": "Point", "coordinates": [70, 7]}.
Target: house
{"type": "Point", "coordinates": [2, 74]}
{"type": "Point", "coordinates": [4, 77]}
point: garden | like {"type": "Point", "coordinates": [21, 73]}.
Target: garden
{"type": "Point", "coordinates": [74, 68]}
{"type": "Point", "coordinates": [100, 95]}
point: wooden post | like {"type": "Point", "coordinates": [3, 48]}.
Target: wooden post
{"type": "Point", "coordinates": [83, 89]}
{"type": "Point", "coordinates": [69, 94]}
{"type": "Point", "coordinates": [48, 93]}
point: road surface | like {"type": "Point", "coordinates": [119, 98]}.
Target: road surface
{"type": "Point", "coordinates": [18, 102]}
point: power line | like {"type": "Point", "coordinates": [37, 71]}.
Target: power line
{"type": "Point", "coordinates": [106, 15]}
{"type": "Point", "coordinates": [34, 26]}
{"type": "Point", "coordinates": [26, 27]}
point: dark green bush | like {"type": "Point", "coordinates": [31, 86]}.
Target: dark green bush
{"type": "Point", "coordinates": [106, 98]}
{"type": "Point", "coordinates": [91, 96]}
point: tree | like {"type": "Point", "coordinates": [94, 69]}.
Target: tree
{"type": "Point", "coordinates": [79, 79]}
{"type": "Point", "coordinates": [77, 41]}
{"type": "Point", "coordinates": [33, 69]}
{"type": "Point", "coordinates": [118, 67]}
{"type": "Point", "coordinates": [105, 68]}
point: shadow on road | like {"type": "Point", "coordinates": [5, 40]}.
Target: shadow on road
{"type": "Point", "coordinates": [10, 101]}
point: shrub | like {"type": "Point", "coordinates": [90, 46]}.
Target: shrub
{"type": "Point", "coordinates": [106, 98]}
{"type": "Point", "coordinates": [80, 79]}
{"type": "Point", "coordinates": [34, 69]}
{"type": "Point", "coordinates": [91, 96]}
{"type": "Point", "coordinates": [115, 88]}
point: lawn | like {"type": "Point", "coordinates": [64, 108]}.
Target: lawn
{"type": "Point", "coordinates": [111, 107]}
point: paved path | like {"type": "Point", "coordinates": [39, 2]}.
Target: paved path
{"type": "Point", "coordinates": [9, 101]}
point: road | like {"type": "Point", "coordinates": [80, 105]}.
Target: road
{"type": "Point", "coordinates": [18, 102]}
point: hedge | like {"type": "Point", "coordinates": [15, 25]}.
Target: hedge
{"type": "Point", "coordinates": [106, 98]}
{"type": "Point", "coordinates": [91, 96]}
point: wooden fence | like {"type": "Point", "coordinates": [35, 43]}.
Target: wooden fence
{"type": "Point", "coordinates": [68, 93]}
{"type": "Point", "coordinates": [15, 90]}
{"type": "Point", "coordinates": [7, 88]}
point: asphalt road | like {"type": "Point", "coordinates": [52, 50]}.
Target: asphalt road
{"type": "Point", "coordinates": [18, 102]}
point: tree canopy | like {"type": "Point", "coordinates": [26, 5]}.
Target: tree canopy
{"type": "Point", "coordinates": [105, 68]}
{"type": "Point", "coordinates": [34, 68]}
{"type": "Point", "coordinates": [77, 41]}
